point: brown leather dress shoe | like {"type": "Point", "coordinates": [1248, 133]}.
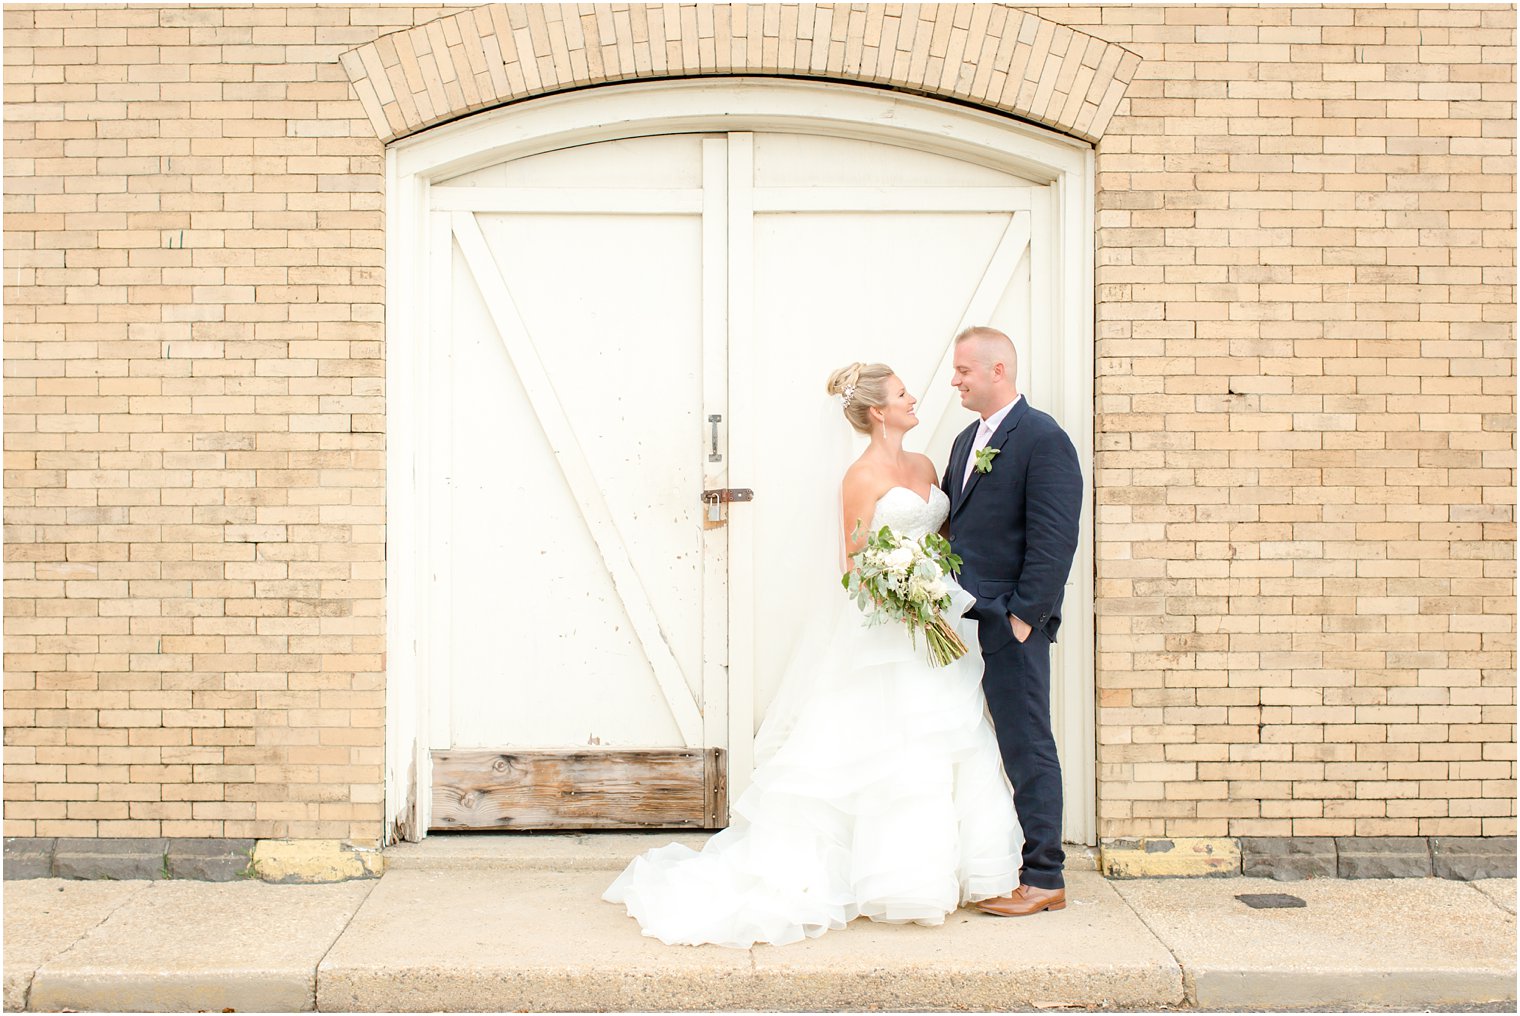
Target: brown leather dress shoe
{"type": "Point", "coordinates": [1023, 901]}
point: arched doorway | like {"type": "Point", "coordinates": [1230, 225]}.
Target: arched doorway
{"type": "Point", "coordinates": [604, 304]}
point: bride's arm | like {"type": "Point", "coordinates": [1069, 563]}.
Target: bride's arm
{"type": "Point", "coordinates": [859, 496]}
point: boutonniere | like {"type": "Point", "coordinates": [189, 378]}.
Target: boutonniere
{"type": "Point", "coordinates": [984, 457]}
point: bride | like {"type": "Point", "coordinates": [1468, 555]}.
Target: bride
{"type": "Point", "coordinates": [879, 789]}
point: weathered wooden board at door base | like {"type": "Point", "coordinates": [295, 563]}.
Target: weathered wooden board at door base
{"type": "Point", "coordinates": [589, 789]}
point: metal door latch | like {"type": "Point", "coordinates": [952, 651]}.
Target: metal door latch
{"type": "Point", "coordinates": [716, 499]}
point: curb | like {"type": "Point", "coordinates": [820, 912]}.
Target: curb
{"type": "Point", "coordinates": [309, 861]}
{"type": "Point", "coordinates": [1293, 858]}
{"type": "Point", "coordinates": [1174, 857]}
{"type": "Point", "coordinates": [1284, 858]}
{"type": "Point", "coordinates": [202, 860]}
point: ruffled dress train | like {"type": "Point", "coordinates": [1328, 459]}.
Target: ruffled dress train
{"type": "Point", "coordinates": [886, 799]}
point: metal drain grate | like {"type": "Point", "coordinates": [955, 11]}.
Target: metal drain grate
{"type": "Point", "coordinates": [1270, 901]}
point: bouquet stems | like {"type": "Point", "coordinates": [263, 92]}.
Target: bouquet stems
{"type": "Point", "coordinates": [945, 645]}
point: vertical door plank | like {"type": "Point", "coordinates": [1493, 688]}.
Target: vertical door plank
{"type": "Point", "coordinates": [715, 474]}
{"type": "Point", "coordinates": [741, 460]}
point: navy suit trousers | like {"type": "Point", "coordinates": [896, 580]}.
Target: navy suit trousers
{"type": "Point", "coordinates": [1017, 685]}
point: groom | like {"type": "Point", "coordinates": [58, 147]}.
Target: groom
{"type": "Point", "coordinates": [1015, 491]}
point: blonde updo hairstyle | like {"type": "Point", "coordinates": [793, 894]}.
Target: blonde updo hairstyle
{"type": "Point", "coordinates": [866, 384]}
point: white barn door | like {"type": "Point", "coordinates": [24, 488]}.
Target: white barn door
{"type": "Point", "coordinates": [579, 603]}
{"type": "Point", "coordinates": [607, 327]}
{"type": "Point", "coordinates": [855, 250]}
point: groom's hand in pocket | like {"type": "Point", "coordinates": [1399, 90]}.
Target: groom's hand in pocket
{"type": "Point", "coordinates": [1020, 629]}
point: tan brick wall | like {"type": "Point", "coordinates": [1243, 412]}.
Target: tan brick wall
{"type": "Point", "coordinates": [194, 402]}
{"type": "Point", "coordinates": [1305, 464]}
{"type": "Point", "coordinates": [1305, 416]}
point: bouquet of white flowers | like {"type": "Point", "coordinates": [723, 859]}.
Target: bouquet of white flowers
{"type": "Point", "coordinates": [899, 579]}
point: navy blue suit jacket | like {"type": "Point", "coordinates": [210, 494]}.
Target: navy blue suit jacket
{"type": "Point", "coordinates": [1015, 527]}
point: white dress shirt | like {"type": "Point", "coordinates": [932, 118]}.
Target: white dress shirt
{"type": "Point", "coordinates": [984, 434]}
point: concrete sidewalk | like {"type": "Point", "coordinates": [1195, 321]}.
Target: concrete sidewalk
{"type": "Point", "coordinates": [516, 923]}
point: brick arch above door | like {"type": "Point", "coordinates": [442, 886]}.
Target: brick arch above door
{"type": "Point", "coordinates": [995, 56]}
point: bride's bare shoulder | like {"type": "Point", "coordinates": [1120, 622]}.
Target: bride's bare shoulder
{"type": "Point", "coordinates": [926, 469]}
{"type": "Point", "coordinates": [865, 479]}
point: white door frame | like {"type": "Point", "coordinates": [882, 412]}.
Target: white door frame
{"type": "Point", "coordinates": [706, 105]}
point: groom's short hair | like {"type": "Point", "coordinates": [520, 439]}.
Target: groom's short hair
{"type": "Point", "coordinates": [990, 338]}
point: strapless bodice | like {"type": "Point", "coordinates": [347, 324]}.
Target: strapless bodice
{"type": "Point", "coordinates": [909, 514]}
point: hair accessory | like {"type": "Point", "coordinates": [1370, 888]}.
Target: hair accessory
{"type": "Point", "coordinates": [849, 393]}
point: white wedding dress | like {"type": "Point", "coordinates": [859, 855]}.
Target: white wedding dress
{"type": "Point", "coordinates": [885, 797]}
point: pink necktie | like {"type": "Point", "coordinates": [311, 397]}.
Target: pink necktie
{"type": "Point", "coordinates": [983, 435]}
